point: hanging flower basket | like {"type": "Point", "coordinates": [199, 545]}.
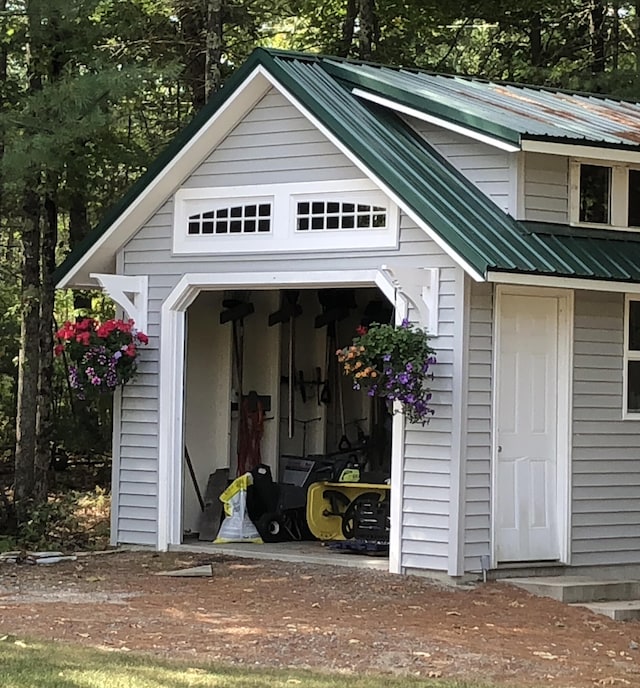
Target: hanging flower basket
{"type": "Point", "coordinates": [101, 357]}
{"type": "Point", "coordinates": [392, 363]}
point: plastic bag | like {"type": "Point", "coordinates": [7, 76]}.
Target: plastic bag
{"type": "Point", "coordinates": [237, 526]}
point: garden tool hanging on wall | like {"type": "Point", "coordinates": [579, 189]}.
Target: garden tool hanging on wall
{"type": "Point", "coordinates": [236, 309]}
{"type": "Point", "coordinates": [336, 304]}
{"type": "Point", "coordinates": [290, 309]}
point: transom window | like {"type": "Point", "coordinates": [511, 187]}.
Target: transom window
{"type": "Point", "coordinates": [328, 214]}
{"type": "Point", "coordinates": [632, 356]}
{"type": "Point", "coordinates": [237, 219]}
{"type": "Point", "coordinates": [331, 215]}
{"type": "Point", "coordinates": [605, 194]}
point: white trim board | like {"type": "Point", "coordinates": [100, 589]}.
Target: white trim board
{"type": "Point", "coordinates": [397, 465]}
{"type": "Point", "coordinates": [172, 367]}
{"type": "Point", "coordinates": [438, 121]}
{"type": "Point", "coordinates": [581, 151]}
{"type": "Point", "coordinates": [564, 412]}
{"type": "Point", "coordinates": [459, 410]}
{"type": "Point", "coordinates": [550, 281]}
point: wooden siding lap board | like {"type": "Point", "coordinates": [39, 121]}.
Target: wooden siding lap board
{"type": "Point", "coordinates": [275, 144]}
{"type": "Point", "coordinates": [546, 188]}
{"type": "Point", "coordinates": [490, 169]}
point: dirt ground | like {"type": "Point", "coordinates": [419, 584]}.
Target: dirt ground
{"type": "Point", "coordinates": [322, 617]}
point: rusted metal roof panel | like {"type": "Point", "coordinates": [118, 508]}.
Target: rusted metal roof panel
{"type": "Point", "coordinates": [505, 110]}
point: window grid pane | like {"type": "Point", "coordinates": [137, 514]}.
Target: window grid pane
{"type": "Point", "coordinates": [244, 220]}
{"type": "Point", "coordinates": [595, 194]}
{"type": "Point", "coordinates": [334, 215]}
{"type": "Point", "coordinates": [633, 212]}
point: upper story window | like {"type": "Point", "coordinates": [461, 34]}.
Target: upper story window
{"type": "Point", "coordinates": [605, 194]}
{"type": "Point", "coordinates": [632, 356]}
{"type": "Point", "coordinates": [318, 216]}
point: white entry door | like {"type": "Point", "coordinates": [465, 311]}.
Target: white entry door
{"type": "Point", "coordinates": [526, 484]}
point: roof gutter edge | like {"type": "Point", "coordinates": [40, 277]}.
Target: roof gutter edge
{"type": "Point", "coordinates": [535, 279]}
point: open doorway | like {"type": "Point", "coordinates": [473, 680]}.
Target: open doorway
{"type": "Point", "coordinates": [263, 385]}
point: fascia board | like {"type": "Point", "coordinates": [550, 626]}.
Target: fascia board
{"type": "Point", "coordinates": [572, 149]}
{"type": "Point", "coordinates": [438, 121]}
{"type": "Point", "coordinates": [536, 280]}
{"type": "Point", "coordinates": [168, 179]}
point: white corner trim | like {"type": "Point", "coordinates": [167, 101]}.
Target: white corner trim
{"type": "Point", "coordinates": [581, 151]}
{"type": "Point", "coordinates": [563, 282]}
{"type": "Point", "coordinates": [434, 236]}
{"type": "Point", "coordinates": [438, 121]}
{"type": "Point", "coordinates": [397, 466]}
{"type": "Point", "coordinates": [457, 506]}
{"type": "Point", "coordinates": [130, 293]}
{"type": "Point", "coordinates": [421, 287]}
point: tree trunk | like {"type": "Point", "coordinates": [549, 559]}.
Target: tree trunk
{"type": "Point", "coordinates": [367, 28]}
{"type": "Point", "coordinates": [213, 50]}
{"type": "Point", "coordinates": [78, 215]}
{"type": "Point", "coordinates": [348, 29]}
{"type": "Point", "coordinates": [44, 416]}
{"type": "Point", "coordinates": [535, 39]}
{"type": "Point", "coordinates": [192, 32]}
{"type": "Point", "coordinates": [28, 360]}
{"type": "Point", "coordinates": [597, 15]}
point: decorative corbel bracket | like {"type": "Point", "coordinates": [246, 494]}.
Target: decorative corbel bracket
{"type": "Point", "coordinates": [130, 293]}
{"type": "Point", "coordinates": [421, 288]}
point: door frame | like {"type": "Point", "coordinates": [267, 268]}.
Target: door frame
{"type": "Point", "coordinates": [564, 411]}
{"type": "Point", "coordinates": [171, 387]}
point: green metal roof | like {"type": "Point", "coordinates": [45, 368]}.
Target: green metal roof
{"type": "Point", "coordinates": [470, 223]}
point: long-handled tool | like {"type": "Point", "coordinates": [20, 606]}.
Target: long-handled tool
{"type": "Point", "coordinates": [344, 440]}
{"type": "Point", "coordinates": [292, 378]}
{"type": "Point", "coordinates": [290, 309]}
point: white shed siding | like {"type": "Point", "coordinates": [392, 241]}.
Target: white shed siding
{"type": "Point", "coordinates": [274, 144]}
{"type": "Point", "coordinates": [477, 501]}
{"type": "Point", "coordinates": [276, 141]}
{"type": "Point", "coordinates": [546, 188]}
{"type": "Point", "coordinates": [606, 469]}
{"type": "Point", "coordinates": [492, 170]}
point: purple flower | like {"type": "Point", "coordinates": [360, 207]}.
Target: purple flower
{"type": "Point", "coordinates": [405, 323]}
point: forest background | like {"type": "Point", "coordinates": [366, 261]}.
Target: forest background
{"type": "Point", "coordinates": [92, 90]}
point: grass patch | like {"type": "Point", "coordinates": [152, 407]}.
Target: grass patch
{"type": "Point", "coordinates": [26, 664]}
